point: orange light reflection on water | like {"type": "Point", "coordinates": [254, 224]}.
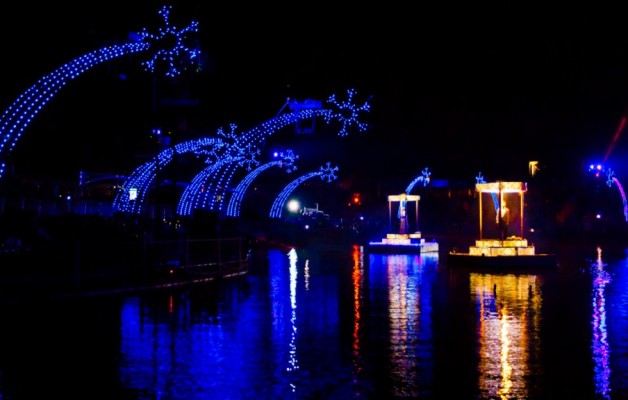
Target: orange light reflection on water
{"type": "Point", "coordinates": [403, 300]}
{"type": "Point", "coordinates": [508, 322]}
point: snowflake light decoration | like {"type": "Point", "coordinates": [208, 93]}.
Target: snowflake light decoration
{"type": "Point", "coordinates": [288, 159]}
{"type": "Point", "coordinates": [231, 135]}
{"type": "Point", "coordinates": [426, 176]}
{"type": "Point", "coordinates": [610, 174]}
{"type": "Point", "coordinates": [172, 53]}
{"type": "Point", "coordinates": [211, 153]}
{"type": "Point", "coordinates": [247, 156]}
{"type": "Point", "coordinates": [347, 113]}
{"type": "Point", "coordinates": [232, 147]}
{"type": "Point", "coordinates": [327, 173]}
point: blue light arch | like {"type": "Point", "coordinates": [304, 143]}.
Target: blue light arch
{"type": "Point", "coordinates": [212, 186]}
{"type": "Point", "coordinates": [424, 178]}
{"type": "Point", "coordinates": [286, 162]}
{"type": "Point", "coordinates": [171, 55]}
{"type": "Point", "coordinates": [326, 173]}
{"type": "Point", "coordinates": [133, 193]}
{"type": "Point", "coordinates": [227, 152]}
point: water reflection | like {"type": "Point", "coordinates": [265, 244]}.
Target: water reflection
{"type": "Point", "coordinates": [293, 363]}
{"type": "Point", "coordinates": [276, 336]}
{"type": "Point", "coordinates": [169, 349]}
{"type": "Point", "coordinates": [285, 318]}
{"type": "Point", "coordinates": [304, 297]}
{"type": "Point", "coordinates": [345, 325]}
{"type": "Point", "coordinates": [408, 281]}
{"type": "Point", "coordinates": [357, 280]}
{"type": "Point", "coordinates": [509, 311]}
{"type": "Point", "coordinates": [609, 323]}
{"type": "Point", "coordinates": [618, 328]}
{"type": "Point", "coordinates": [600, 345]}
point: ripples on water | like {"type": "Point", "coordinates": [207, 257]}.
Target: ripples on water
{"type": "Point", "coordinates": [312, 324]}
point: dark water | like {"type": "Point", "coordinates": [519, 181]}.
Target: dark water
{"type": "Point", "coordinates": [341, 324]}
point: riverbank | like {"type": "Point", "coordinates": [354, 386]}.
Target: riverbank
{"type": "Point", "coordinates": [98, 257]}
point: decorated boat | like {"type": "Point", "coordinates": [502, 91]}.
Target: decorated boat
{"type": "Point", "coordinates": [502, 250]}
{"type": "Point", "coordinates": [403, 242]}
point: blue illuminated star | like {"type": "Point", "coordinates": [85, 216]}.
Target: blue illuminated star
{"type": "Point", "coordinates": [247, 156]}
{"type": "Point", "coordinates": [211, 154]}
{"type": "Point", "coordinates": [172, 54]}
{"type": "Point", "coordinates": [426, 176]}
{"type": "Point", "coordinates": [347, 113]}
{"type": "Point", "coordinates": [610, 174]}
{"type": "Point", "coordinates": [327, 173]}
{"type": "Point", "coordinates": [229, 136]}
{"type": "Point", "coordinates": [287, 160]}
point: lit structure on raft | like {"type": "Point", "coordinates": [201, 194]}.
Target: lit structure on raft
{"type": "Point", "coordinates": [504, 251]}
{"type": "Point", "coordinates": [404, 241]}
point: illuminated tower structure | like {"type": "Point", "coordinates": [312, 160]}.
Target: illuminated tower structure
{"type": "Point", "coordinates": [286, 161]}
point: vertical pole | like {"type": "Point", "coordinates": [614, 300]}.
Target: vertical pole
{"type": "Point", "coordinates": [389, 216]}
{"type": "Point", "coordinates": [521, 218]}
{"type": "Point", "coordinates": [499, 214]}
{"type": "Point", "coordinates": [416, 219]}
{"type": "Point", "coordinates": [480, 193]}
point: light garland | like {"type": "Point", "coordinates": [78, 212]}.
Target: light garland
{"type": "Point", "coordinates": [326, 173]}
{"type": "Point", "coordinates": [18, 116]}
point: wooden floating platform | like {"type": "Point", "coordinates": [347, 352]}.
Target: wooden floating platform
{"type": "Point", "coordinates": [501, 255]}
{"type": "Point", "coordinates": [395, 243]}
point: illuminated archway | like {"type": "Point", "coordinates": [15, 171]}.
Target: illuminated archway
{"type": "Point", "coordinates": [171, 54]}
{"type": "Point", "coordinates": [195, 194]}
{"type": "Point", "coordinates": [133, 193]}
{"type": "Point", "coordinates": [211, 187]}
{"type": "Point", "coordinates": [225, 155]}
{"type": "Point", "coordinates": [326, 173]}
{"type": "Point", "coordinates": [424, 177]}
{"type": "Point", "coordinates": [286, 161]}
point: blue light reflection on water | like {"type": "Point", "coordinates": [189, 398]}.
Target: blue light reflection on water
{"type": "Point", "coordinates": [171, 351]}
{"type": "Point", "coordinates": [610, 326]}
{"type": "Point", "coordinates": [336, 326]}
{"type": "Point", "coordinates": [178, 355]}
{"type": "Point", "coordinates": [600, 346]}
{"type": "Point", "coordinates": [237, 353]}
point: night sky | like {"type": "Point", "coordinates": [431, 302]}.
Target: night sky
{"type": "Point", "coordinates": [456, 89]}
